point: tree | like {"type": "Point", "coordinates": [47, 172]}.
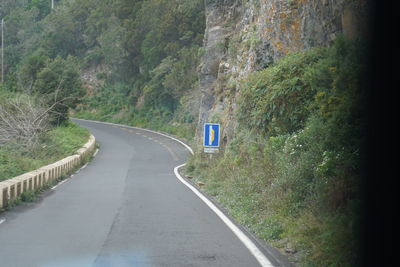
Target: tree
{"type": "Point", "coordinates": [59, 80]}
{"type": "Point", "coordinates": [30, 69]}
{"type": "Point", "coordinates": [42, 5]}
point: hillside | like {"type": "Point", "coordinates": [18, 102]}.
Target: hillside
{"type": "Point", "coordinates": [242, 37]}
{"type": "Point", "coordinates": [284, 78]}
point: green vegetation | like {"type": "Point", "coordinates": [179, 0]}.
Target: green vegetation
{"type": "Point", "coordinates": [54, 145]}
{"type": "Point", "coordinates": [33, 64]}
{"type": "Point", "coordinates": [293, 170]}
{"type": "Point", "coordinates": [148, 51]}
{"type": "Point", "coordinates": [152, 79]}
{"type": "Point", "coordinates": [34, 131]}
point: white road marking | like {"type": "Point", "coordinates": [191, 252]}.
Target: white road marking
{"type": "Point", "coordinates": [147, 130]}
{"type": "Point", "coordinates": [60, 183]}
{"type": "Point", "coordinates": [260, 257]}
{"type": "Point", "coordinates": [84, 166]}
{"type": "Point", "coordinates": [174, 156]}
{"type": "Point", "coordinates": [72, 175]}
{"type": "Point", "coordinates": [2, 221]}
{"type": "Point", "coordinates": [254, 250]}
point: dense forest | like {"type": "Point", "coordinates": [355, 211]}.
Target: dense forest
{"type": "Point", "coordinates": [145, 54]}
{"type": "Point", "coordinates": [292, 171]}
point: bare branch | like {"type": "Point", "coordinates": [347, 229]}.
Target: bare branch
{"type": "Point", "coordinates": [22, 122]}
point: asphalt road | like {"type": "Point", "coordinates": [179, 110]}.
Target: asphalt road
{"type": "Point", "coordinates": [126, 208]}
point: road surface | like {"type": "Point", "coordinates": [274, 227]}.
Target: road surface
{"type": "Point", "coordinates": [126, 208]}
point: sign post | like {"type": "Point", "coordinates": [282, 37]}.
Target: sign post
{"type": "Point", "coordinates": [211, 137]}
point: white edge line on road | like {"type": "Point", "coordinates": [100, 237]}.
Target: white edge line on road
{"type": "Point", "coordinates": [72, 175]}
{"type": "Point", "coordinates": [147, 130]}
{"type": "Point", "coordinates": [60, 183]}
{"type": "Point", "coordinates": [254, 250]}
{"type": "Point", "coordinates": [242, 237]}
{"type": "Point", "coordinates": [84, 166]}
{"type": "Point", "coordinates": [2, 221]}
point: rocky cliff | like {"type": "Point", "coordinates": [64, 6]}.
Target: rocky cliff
{"type": "Point", "coordinates": [243, 36]}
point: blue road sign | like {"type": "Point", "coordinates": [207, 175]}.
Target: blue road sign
{"type": "Point", "coordinates": [211, 135]}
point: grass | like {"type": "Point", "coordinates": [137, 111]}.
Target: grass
{"type": "Point", "coordinates": [291, 173]}
{"type": "Point", "coordinates": [258, 199]}
{"type": "Point", "coordinates": [57, 144]}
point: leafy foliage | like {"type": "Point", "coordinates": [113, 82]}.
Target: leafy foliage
{"type": "Point", "coordinates": [57, 80]}
{"type": "Point", "coordinates": [293, 171]}
{"type": "Point", "coordinates": [275, 100]}
{"type": "Point", "coordinates": [149, 46]}
{"type": "Point", "coordinates": [41, 5]}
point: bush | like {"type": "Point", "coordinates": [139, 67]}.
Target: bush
{"type": "Point", "coordinates": [58, 143]}
{"type": "Point", "coordinates": [292, 171]}
{"type": "Point", "coordinates": [23, 120]}
{"type": "Point", "coordinates": [275, 100]}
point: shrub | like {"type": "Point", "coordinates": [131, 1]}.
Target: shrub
{"type": "Point", "coordinates": [58, 143]}
{"type": "Point", "coordinates": [292, 170]}
{"type": "Point", "coordinates": [275, 100]}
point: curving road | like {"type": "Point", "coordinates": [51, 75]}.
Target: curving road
{"type": "Point", "coordinates": [126, 208]}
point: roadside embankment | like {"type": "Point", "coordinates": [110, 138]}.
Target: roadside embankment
{"type": "Point", "coordinates": [32, 181]}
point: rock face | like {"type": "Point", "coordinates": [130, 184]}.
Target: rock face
{"type": "Point", "coordinates": [90, 78]}
{"type": "Point", "coordinates": [243, 36]}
